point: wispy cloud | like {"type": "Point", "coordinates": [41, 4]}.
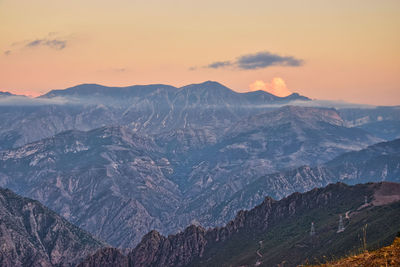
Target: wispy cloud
{"type": "Point", "coordinates": [119, 69]}
{"type": "Point", "coordinates": [337, 104]}
{"type": "Point", "coordinates": [19, 100]}
{"type": "Point", "coordinates": [114, 70]}
{"type": "Point", "coordinates": [52, 33]}
{"type": "Point", "coordinates": [265, 59]}
{"type": "Point", "coordinates": [219, 64]}
{"type": "Point", "coordinates": [258, 60]}
{"type": "Point", "coordinates": [52, 43]}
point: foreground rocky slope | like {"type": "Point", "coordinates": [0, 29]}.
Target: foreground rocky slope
{"type": "Point", "coordinates": [32, 235]}
{"type": "Point", "coordinates": [277, 231]}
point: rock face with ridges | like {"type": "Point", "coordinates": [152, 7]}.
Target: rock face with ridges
{"type": "Point", "coordinates": [32, 235]}
{"type": "Point", "coordinates": [109, 181]}
{"type": "Point", "coordinates": [379, 162]}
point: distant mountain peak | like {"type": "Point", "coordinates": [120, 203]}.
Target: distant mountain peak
{"type": "Point", "coordinates": [209, 82]}
{"type": "Point", "coordinates": [3, 93]}
{"type": "Point", "coordinates": [296, 96]}
{"type": "Point", "coordinates": [207, 85]}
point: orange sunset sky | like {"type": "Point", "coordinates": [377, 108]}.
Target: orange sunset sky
{"type": "Point", "coordinates": [339, 49]}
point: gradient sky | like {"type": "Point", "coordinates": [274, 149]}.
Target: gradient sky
{"type": "Point", "coordinates": [345, 49]}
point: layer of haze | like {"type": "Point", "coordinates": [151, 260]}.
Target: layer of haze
{"type": "Point", "coordinates": [350, 49]}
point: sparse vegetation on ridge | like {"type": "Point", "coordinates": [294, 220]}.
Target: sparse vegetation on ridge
{"type": "Point", "coordinates": [386, 256]}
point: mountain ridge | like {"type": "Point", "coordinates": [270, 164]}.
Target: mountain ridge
{"type": "Point", "coordinates": [87, 88]}
{"type": "Point", "coordinates": [237, 241]}
{"type": "Point", "coordinates": [4, 94]}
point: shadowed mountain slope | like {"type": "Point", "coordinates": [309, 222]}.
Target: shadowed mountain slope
{"type": "Point", "coordinates": [33, 235]}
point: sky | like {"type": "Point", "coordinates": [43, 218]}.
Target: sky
{"type": "Point", "coordinates": [338, 49]}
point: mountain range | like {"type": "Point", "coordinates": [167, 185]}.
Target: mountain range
{"type": "Point", "coordinates": [145, 108]}
{"type": "Point", "coordinates": [157, 108]}
{"type": "Point", "coordinates": [130, 184]}
{"type": "Point", "coordinates": [119, 162]}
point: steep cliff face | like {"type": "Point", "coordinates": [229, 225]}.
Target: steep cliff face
{"type": "Point", "coordinates": [273, 230]}
{"type": "Point", "coordinates": [32, 235]}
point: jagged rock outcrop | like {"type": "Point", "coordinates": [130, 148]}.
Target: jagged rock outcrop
{"type": "Point", "coordinates": [282, 227]}
{"type": "Point", "coordinates": [33, 235]}
{"type": "Point", "coordinates": [174, 250]}
{"type": "Point", "coordinates": [106, 257]}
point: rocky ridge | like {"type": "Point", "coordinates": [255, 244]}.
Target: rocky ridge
{"type": "Point", "coordinates": [196, 246]}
